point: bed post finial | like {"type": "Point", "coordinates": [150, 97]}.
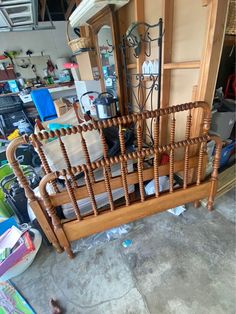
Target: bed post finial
{"type": "Point", "coordinates": [11, 157]}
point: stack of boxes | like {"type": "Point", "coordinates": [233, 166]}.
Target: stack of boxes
{"type": "Point", "coordinates": [88, 79]}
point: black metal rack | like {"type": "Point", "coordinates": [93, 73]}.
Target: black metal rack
{"type": "Point", "coordinates": [130, 42]}
{"type": "Point", "coordinates": [142, 88]}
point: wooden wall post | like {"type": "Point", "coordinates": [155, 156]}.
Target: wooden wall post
{"type": "Point", "coordinates": [216, 23]}
{"type": "Point", "coordinates": [168, 16]}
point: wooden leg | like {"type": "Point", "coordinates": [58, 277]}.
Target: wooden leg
{"type": "Point", "coordinates": [64, 241]}
{"type": "Point", "coordinates": [57, 247]}
{"type": "Point", "coordinates": [69, 252]}
{"type": "Point", "coordinates": [197, 204]}
{"type": "Point", "coordinates": [210, 205]}
{"type": "Point", "coordinates": [45, 225]}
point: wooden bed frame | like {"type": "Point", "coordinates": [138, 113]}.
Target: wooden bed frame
{"type": "Point", "coordinates": [61, 232]}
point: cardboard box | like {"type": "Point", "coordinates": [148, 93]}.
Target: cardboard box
{"type": "Point", "coordinates": [83, 87]}
{"type": "Point", "coordinates": [62, 105]}
{"type": "Point", "coordinates": [88, 68]}
{"type": "Point", "coordinates": [75, 74]}
{"type": "Point", "coordinates": [222, 123]}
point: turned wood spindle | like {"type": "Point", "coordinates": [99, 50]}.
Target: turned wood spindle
{"type": "Point", "coordinates": [124, 169]}
{"type": "Point", "coordinates": [140, 160]}
{"type": "Point", "coordinates": [214, 175]}
{"type": "Point", "coordinates": [108, 187]}
{"type": "Point", "coordinates": [72, 197]}
{"type": "Point", "coordinates": [56, 222]}
{"type": "Point", "coordinates": [90, 190]}
{"type": "Point", "coordinates": [51, 210]}
{"type": "Point", "coordinates": [44, 162]}
{"type": "Point", "coordinates": [172, 153]}
{"type": "Point", "coordinates": [21, 178]}
{"type": "Point", "coordinates": [156, 156]}
{"type": "Point", "coordinates": [186, 152]}
{"type": "Point", "coordinates": [67, 160]}
{"type": "Point", "coordinates": [87, 157]}
{"type": "Point", "coordinates": [200, 163]}
{"type": "Point", "coordinates": [105, 150]}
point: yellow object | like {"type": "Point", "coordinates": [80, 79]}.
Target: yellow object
{"type": "Point", "coordinates": [13, 135]}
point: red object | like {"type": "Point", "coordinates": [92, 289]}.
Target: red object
{"type": "Point", "coordinates": [28, 242]}
{"type": "Point", "coordinates": [165, 159]}
{"type": "Point", "coordinates": [230, 90]}
{"type": "Point", "coordinates": [50, 66]}
{"type": "Point", "coordinates": [70, 65]}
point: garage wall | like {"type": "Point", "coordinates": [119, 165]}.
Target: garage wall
{"type": "Point", "coordinates": [52, 42]}
{"type": "Point", "coordinates": [189, 28]}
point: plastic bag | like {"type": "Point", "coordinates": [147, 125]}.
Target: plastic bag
{"type": "Point", "coordinates": [164, 185]}
{"type": "Point", "coordinates": [101, 238]}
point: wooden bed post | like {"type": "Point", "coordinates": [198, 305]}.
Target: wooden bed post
{"type": "Point", "coordinates": [214, 175]}
{"type": "Point", "coordinates": [56, 222]}
{"type": "Point", "coordinates": [29, 193]}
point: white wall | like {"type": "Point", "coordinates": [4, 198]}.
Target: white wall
{"type": "Point", "coordinates": [51, 42]}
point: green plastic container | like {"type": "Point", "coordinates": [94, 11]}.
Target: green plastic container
{"type": "Point", "coordinates": [6, 170]}
{"type": "Point", "coordinates": [5, 209]}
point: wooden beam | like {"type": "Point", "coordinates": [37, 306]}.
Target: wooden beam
{"type": "Point", "coordinates": [168, 15]}
{"type": "Point", "coordinates": [182, 65]}
{"type": "Point", "coordinates": [93, 224]}
{"type": "Point", "coordinates": [42, 9]}
{"type": "Point", "coordinates": [210, 61]}
{"type": "Point", "coordinates": [71, 5]}
{"type": "Point", "coordinates": [194, 93]}
{"type": "Point", "coordinates": [205, 3]}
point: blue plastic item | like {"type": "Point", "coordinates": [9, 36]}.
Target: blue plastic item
{"type": "Point", "coordinates": [226, 153]}
{"type": "Point", "coordinates": [44, 104]}
{"type": "Point", "coordinates": [7, 224]}
{"type": "Point", "coordinates": [13, 86]}
{"type": "Point", "coordinates": [57, 126]}
{"type": "Point", "coordinates": [126, 243]}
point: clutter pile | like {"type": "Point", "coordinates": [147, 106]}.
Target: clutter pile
{"type": "Point", "coordinates": [18, 247]}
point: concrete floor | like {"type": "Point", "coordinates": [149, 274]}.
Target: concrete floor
{"type": "Point", "coordinates": [180, 265]}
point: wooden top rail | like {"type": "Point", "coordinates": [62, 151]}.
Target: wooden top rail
{"type": "Point", "coordinates": [124, 120]}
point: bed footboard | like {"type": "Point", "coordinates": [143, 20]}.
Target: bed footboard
{"type": "Point", "coordinates": [147, 166]}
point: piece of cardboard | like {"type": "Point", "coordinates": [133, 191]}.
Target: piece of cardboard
{"type": "Point", "coordinates": [88, 67]}
{"type": "Point", "coordinates": [62, 105]}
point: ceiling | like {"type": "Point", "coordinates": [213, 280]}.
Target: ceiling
{"type": "Point", "coordinates": [19, 15]}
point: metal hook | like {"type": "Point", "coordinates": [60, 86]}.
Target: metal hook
{"type": "Point", "coordinates": [109, 45]}
{"type": "Point", "coordinates": [148, 54]}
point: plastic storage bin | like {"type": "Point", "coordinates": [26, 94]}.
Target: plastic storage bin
{"type": "Point", "coordinates": [226, 153]}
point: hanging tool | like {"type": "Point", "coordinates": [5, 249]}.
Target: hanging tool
{"type": "Point", "coordinates": [29, 52]}
{"type": "Point", "coordinates": [77, 31]}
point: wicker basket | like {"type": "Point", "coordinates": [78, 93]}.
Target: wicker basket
{"type": "Point", "coordinates": [78, 43]}
{"type": "Point", "coordinates": [231, 21]}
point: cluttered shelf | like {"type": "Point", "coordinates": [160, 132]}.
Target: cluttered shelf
{"type": "Point", "coordinates": [52, 88]}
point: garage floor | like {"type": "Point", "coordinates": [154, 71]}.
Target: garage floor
{"type": "Point", "coordinates": [180, 265]}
